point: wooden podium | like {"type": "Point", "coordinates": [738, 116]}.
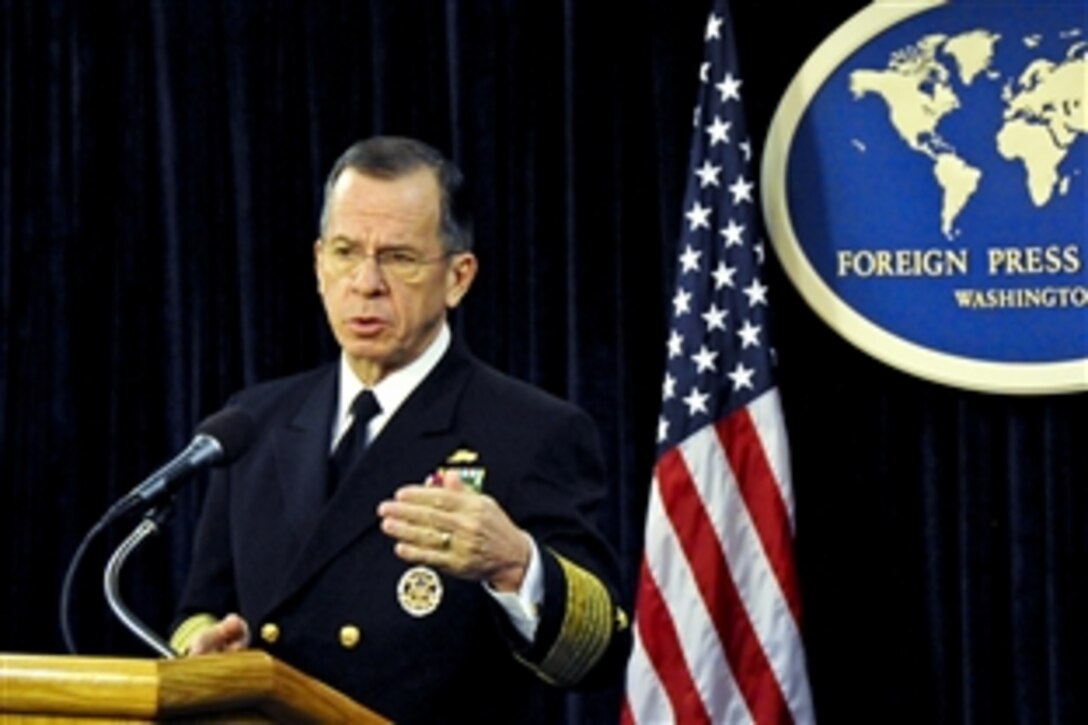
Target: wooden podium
{"type": "Point", "coordinates": [248, 687]}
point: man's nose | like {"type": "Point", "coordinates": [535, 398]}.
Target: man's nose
{"type": "Point", "coordinates": [367, 276]}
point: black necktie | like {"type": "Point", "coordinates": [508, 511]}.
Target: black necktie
{"type": "Point", "coordinates": [351, 445]}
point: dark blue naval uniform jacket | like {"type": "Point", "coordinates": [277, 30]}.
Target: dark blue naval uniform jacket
{"type": "Point", "coordinates": [318, 580]}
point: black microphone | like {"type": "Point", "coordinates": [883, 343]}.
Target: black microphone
{"type": "Point", "coordinates": [220, 439]}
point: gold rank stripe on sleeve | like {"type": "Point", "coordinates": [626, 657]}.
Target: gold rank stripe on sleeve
{"type": "Point", "coordinates": [586, 629]}
{"type": "Point", "coordinates": [182, 638]}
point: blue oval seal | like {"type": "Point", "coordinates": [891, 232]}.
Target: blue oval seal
{"type": "Point", "coordinates": [925, 187]}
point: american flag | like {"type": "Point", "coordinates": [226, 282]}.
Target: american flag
{"type": "Point", "coordinates": [717, 616]}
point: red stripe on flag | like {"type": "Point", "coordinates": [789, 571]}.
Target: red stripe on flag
{"type": "Point", "coordinates": [747, 660]}
{"type": "Point", "coordinates": [659, 638]}
{"type": "Point", "coordinates": [763, 498]}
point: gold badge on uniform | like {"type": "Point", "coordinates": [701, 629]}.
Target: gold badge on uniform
{"type": "Point", "coordinates": [463, 455]}
{"type": "Point", "coordinates": [419, 591]}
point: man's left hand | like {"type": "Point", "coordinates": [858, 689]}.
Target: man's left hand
{"type": "Point", "coordinates": [466, 534]}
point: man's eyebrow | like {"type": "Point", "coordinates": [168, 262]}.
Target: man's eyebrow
{"type": "Point", "coordinates": [394, 245]}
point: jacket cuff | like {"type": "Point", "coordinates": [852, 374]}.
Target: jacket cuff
{"type": "Point", "coordinates": [589, 618]}
{"type": "Point", "coordinates": [181, 641]}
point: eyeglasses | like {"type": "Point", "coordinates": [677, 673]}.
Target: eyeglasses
{"type": "Point", "coordinates": [345, 259]}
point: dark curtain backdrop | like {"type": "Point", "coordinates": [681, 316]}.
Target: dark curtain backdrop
{"type": "Point", "coordinates": [160, 173]}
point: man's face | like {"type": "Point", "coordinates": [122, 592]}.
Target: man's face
{"type": "Point", "coordinates": [384, 316]}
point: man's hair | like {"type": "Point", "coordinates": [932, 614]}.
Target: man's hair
{"type": "Point", "coordinates": [392, 157]}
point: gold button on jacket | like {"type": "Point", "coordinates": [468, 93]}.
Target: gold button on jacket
{"type": "Point", "coordinates": [349, 636]}
{"type": "Point", "coordinates": [270, 632]}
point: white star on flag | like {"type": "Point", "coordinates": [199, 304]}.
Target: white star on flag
{"type": "Point", "coordinates": [729, 88]}
{"type": "Point", "coordinates": [689, 260]}
{"type": "Point", "coordinates": [676, 344]}
{"type": "Point", "coordinates": [704, 359]}
{"type": "Point", "coordinates": [741, 376]}
{"type": "Point", "coordinates": [668, 388]}
{"type": "Point", "coordinates": [749, 334]}
{"type": "Point", "coordinates": [713, 27]}
{"type": "Point", "coordinates": [723, 275]}
{"type": "Point", "coordinates": [757, 293]}
{"type": "Point", "coordinates": [714, 318]}
{"type": "Point", "coordinates": [746, 149]}
{"type": "Point", "coordinates": [719, 131]}
{"type": "Point", "coordinates": [698, 216]}
{"type": "Point", "coordinates": [741, 189]}
{"type": "Point", "coordinates": [681, 303]}
{"type": "Point", "coordinates": [696, 401]}
{"type": "Point", "coordinates": [733, 233]}
{"type": "Point", "coordinates": [708, 174]}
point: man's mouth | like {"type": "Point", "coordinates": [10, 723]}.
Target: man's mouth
{"type": "Point", "coordinates": [365, 325]}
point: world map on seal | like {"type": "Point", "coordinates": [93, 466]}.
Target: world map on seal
{"type": "Point", "coordinates": [1042, 112]}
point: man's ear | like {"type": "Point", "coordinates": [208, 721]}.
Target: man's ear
{"type": "Point", "coordinates": [317, 267]}
{"type": "Point", "coordinates": [459, 276]}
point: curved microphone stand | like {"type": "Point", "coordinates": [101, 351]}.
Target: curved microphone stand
{"type": "Point", "coordinates": [111, 582]}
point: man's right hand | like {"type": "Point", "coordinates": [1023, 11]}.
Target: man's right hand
{"type": "Point", "coordinates": [229, 634]}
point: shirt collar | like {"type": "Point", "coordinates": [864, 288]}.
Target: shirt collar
{"type": "Point", "coordinates": [391, 391]}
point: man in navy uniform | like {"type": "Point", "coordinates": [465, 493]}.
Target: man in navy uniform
{"type": "Point", "coordinates": [432, 549]}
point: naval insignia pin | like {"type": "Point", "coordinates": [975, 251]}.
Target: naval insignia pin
{"type": "Point", "coordinates": [419, 591]}
{"type": "Point", "coordinates": [463, 455]}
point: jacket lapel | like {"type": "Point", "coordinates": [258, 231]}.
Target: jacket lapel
{"type": "Point", "coordinates": [302, 448]}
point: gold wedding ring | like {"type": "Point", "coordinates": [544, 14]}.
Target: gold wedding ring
{"type": "Point", "coordinates": [447, 537]}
